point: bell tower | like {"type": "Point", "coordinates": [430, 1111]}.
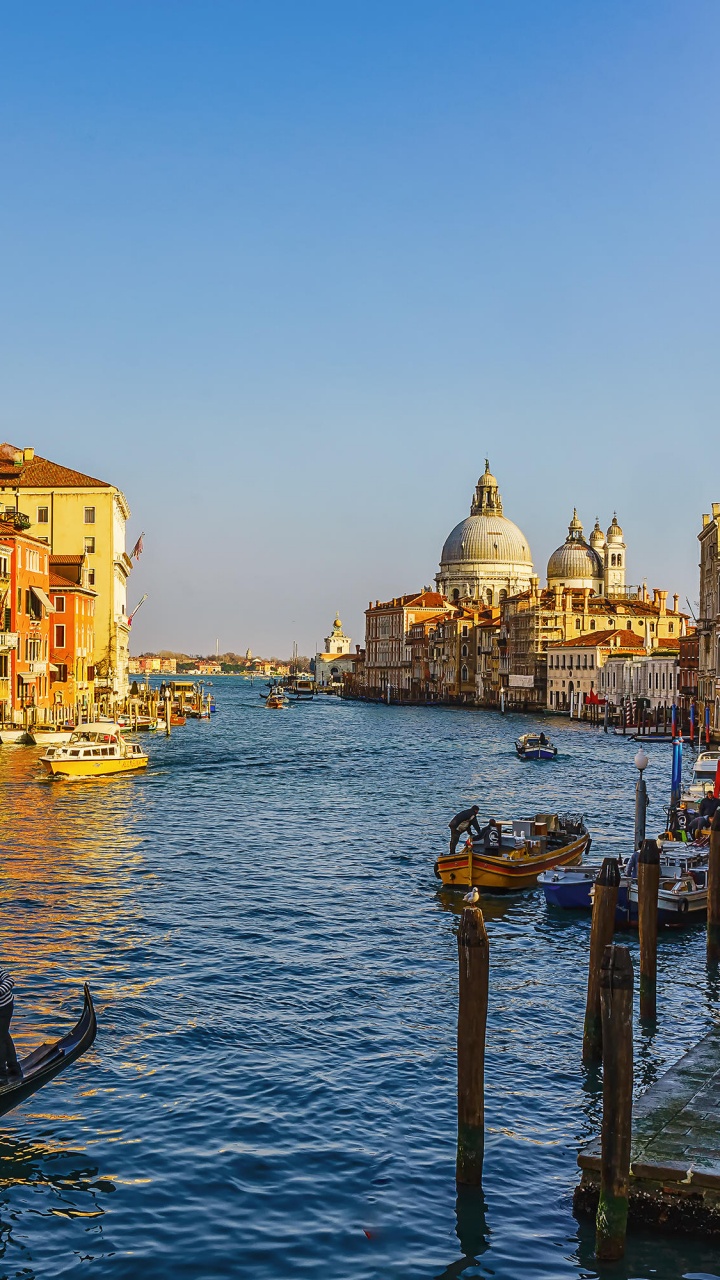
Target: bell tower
{"type": "Point", "coordinates": [614, 560]}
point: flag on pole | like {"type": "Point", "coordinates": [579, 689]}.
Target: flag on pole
{"type": "Point", "coordinates": [137, 549]}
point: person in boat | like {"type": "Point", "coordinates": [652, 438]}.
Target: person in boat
{"type": "Point", "coordinates": [463, 822]}
{"type": "Point", "coordinates": [706, 812]}
{"type": "Point", "coordinates": [543, 740]}
{"type": "Point", "coordinates": [9, 1065]}
{"type": "Point", "coordinates": [491, 837]}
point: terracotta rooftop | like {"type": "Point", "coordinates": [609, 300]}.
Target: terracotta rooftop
{"type": "Point", "coordinates": [57, 583]}
{"type": "Point", "coordinates": [18, 471]}
{"type": "Point", "coordinates": [611, 639]}
{"type": "Point", "coordinates": [57, 560]}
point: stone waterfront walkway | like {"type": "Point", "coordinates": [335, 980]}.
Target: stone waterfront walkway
{"type": "Point", "coordinates": [675, 1168]}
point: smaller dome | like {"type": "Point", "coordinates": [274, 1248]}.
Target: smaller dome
{"type": "Point", "coordinates": [574, 561]}
{"type": "Point", "coordinates": [614, 531]}
{"type": "Point", "coordinates": [597, 537]}
{"type": "Point", "coordinates": [337, 624]}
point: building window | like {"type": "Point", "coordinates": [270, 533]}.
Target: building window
{"type": "Point", "coordinates": [577, 624]}
{"type": "Point", "coordinates": [592, 624]}
{"type": "Point", "coordinates": [91, 577]}
{"type": "Point", "coordinates": [32, 650]}
{"type": "Point", "coordinates": [592, 661]}
{"type": "Point", "coordinates": [59, 604]}
{"type": "Point", "coordinates": [671, 627]}
{"type": "Point", "coordinates": [464, 633]}
{"type": "Point", "coordinates": [59, 636]}
{"type": "Point", "coordinates": [89, 515]}
{"type": "Point", "coordinates": [464, 675]}
{"type": "Point", "coordinates": [585, 660]}
{"type": "Point", "coordinates": [89, 546]}
{"type": "Point", "coordinates": [619, 562]}
{"type": "Point", "coordinates": [43, 515]}
{"type": "Point", "coordinates": [464, 651]}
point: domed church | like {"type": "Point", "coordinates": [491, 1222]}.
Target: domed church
{"type": "Point", "coordinates": [486, 557]}
{"type": "Point", "coordinates": [598, 564]}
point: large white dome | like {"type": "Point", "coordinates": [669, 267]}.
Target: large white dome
{"type": "Point", "coordinates": [486, 557]}
{"type": "Point", "coordinates": [491, 539]}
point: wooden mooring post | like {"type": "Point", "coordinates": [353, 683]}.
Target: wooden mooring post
{"type": "Point", "coordinates": [713, 899]}
{"type": "Point", "coordinates": [616, 995]}
{"type": "Point", "coordinates": [648, 884]}
{"type": "Point", "coordinates": [473, 972]}
{"type": "Point", "coordinates": [601, 934]}
{"type": "Point", "coordinates": [168, 713]}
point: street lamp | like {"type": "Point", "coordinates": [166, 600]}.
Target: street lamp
{"type": "Point", "coordinates": [641, 797]}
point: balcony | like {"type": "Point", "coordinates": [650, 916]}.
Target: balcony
{"type": "Point", "coordinates": [14, 519]}
{"type": "Point", "coordinates": [8, 640]}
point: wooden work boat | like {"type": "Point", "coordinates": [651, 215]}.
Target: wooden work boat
{"type": "Point", "coordinates": [13, 734]}
{"type": "Point", "coordinates": [46, 1062]}
{"type": "Point", "coordinates": [552, 841]}
{"type": "Point", "coordinates": [95, 750]}
{"type": "Point", "coordinates": [275, 701]}
{"type": "Point", "coordinates": [177, 720]}
{"type": "Point", "coordinates": [46, 735]}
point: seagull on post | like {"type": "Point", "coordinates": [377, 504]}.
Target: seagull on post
{"type": "Point", "coordinates": [473, 896]}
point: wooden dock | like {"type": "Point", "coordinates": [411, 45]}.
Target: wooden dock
{"type": "Point", "coordinates": [675, 1162]}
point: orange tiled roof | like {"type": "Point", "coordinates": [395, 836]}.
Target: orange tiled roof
{"type": "Point", "coordinates": [625, 640]}
{"type": "Point", "coordinates": [41, 473]}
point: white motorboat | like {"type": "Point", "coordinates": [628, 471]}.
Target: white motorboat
{"type": "Point", "coordinates": [43, 735]}
{"type": "Point", "coordinates": [13, 733]}
{"type": "Point", "coordinates": [702, 780]}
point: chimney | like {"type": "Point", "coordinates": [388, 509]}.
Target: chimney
{"type": "Point", "coordinates": [656, 595]}
{"type": "Point", "coordinates": [706, 519]}
{"type": "Point", "coordinates": [676, 601]}
{"type": "Point", "coordinates": [662, 600]}
{"type": "Point", "coordinates": [28, 455]}
{"type": "Point", "coordinates": [716, 510]}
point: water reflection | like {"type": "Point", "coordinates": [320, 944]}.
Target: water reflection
{"type": "Point", "coordinates": [471, 1229]}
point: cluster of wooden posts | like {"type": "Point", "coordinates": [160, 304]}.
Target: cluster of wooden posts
{"type": "Point", "coordinates": [608, 1027]}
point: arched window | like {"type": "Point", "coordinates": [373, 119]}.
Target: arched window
{"type": "Point", "coordinates": [619, 561]}
{"type": "Point", "coordinates": [503, 596]}
{"type": "Point", "coordinates": [456, 594]}
{"type": "Point", "coordinates": [464, 651]}
{"type": "Point", "coordinates": [464, 675]}
{"type": "Point", "coordinates": [577, 624]}
{"type": "Point", "coordinates": [613, 560]}
{"type": "Point", "coordinates": [489, 595]}
{"type": "Point", "coordinates": [592, 624]}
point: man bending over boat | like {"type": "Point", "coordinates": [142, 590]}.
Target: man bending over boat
{"type": "Point", "coordinates": [9, 1065]}
{"type": "Point", "coordinates": [464, 822]}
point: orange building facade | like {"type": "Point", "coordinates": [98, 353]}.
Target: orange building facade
{"type": "Point", "coordinates": [72, 637]}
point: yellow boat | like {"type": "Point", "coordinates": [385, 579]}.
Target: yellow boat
{"type": "Point", "coordinates": [526, 849]}
{"type": "Point", "coordinates": [95, 751]}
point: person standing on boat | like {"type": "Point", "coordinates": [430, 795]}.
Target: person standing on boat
{"type": "Point", "coordinates": [9, 1065]}
{"type": "Point", "coordinates": [464, 822]}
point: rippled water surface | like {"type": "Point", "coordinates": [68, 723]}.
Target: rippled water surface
{"type": "Point", "coordinates": [272, 1090]}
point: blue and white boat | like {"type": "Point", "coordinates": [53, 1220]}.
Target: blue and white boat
{"type": "Point", "coordinates": [535, 746]}
{"type": "Point", "coordinates": [569, 887]}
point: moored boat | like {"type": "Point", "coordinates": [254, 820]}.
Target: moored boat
{"type": "Point", "coordinates": [535, 746]}
{"type": "Point", "coordinates": [46, 1062]}
{"type": "Point", "coordinates": [95, 750]}
{"type": "Point", "coordinates": [13, 734]}
{"type": "Point", "coordinates": [42, 735]}
{"type": "Point", "coordinates": [527, 848]}
{"type": "Point", "coordinates": [682, 899]}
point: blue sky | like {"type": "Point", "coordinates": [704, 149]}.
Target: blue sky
{"type": "Point", "coordinates": [288, 272]}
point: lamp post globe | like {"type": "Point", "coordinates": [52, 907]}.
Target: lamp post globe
{"type": "Point", "coordinates": [641, 761]}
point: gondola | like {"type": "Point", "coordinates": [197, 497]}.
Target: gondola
{"type": "Point", "coordinates": [46, 1062]}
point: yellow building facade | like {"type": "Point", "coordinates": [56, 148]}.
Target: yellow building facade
{"type": "Point", "coordinates": [76, 514]}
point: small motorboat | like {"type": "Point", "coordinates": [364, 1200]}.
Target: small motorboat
{"type": "Point", "coordinates": [702, 781]}
{"type": "Point", "coordinates": [43, 735]}
{"type": "Point", "coordinates": [682, 899]}
{"type": "Point", "coordinates": [95, 750]}
{"type": "Point", "coordinates": [46, 1062]}
{"type": "Point", "coordinates": [569, 887]}
{"type": "Point", "coordinates": [176, 720]}
{"type": "Point", "coordinates": [527, 848]}
{"type": "Point", "coordinates": [535, 746]}
{"type": "Point", "coordinates": [275, 701]}
{"type": "Point", "coordinates": [13, 734]}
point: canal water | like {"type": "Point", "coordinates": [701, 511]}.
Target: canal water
{"type": "Point", "coordinates": [272, 1090]}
